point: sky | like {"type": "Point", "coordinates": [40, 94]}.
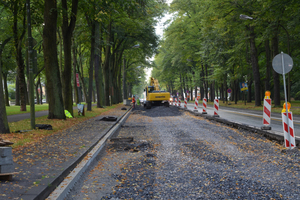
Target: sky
{"type": "Point", "coordinates": [159, 29]}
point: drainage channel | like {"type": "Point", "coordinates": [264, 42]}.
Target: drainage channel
{"type": "Point", "coordinates": [65, 186]}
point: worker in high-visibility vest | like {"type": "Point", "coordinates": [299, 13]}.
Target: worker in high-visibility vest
{"type": "Point", "coordinates": [138, 101]}
{"type": "Point", "coordinates": [133, 101]}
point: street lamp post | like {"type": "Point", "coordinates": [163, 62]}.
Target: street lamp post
{"type": "Point", "coordinates": [254, 61]}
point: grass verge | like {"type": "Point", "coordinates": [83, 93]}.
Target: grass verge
{"type": "Point", "coordinates": [28, 136]}
{"type": "Point", "coordinates": [13, 110]}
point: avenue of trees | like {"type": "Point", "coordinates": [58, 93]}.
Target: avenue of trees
{"type": "Point", "coordinates": [207, 45]}
{"type": "Point", "coordinates": [107, 43]}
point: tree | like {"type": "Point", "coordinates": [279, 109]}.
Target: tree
{"type": "Point", "coordinates": [4, 128]}
{"type": "Point", "coordinates": [56, 109]}
{"type": "Point", "coordinates": [67, 32]}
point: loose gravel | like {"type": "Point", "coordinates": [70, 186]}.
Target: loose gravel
{"type": "Point", "coordinates": [176, 155]}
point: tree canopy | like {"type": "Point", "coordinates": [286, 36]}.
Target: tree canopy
{"type": "Point", "coordinates": [208, 45]}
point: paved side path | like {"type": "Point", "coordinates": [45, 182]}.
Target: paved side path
{"type": "Point", "coordinates": [41, 163]}
{"type": "Point", "coordinates": [19, 117]}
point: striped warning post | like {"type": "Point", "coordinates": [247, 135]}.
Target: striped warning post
{"type": "Point", "coordinates": [289, 140]}
{"type": "Point", "coordinates": [175, 101]}
{"type": "Point", "coordinates": [267, 114]}
{"type": "Point", "coordinates": [216, 108]}
{"type": "Point", "coordinates": [179, 101]}
{"type": "Point", "coordinates": [204, 106]}
{"type": "Point", "coordinates": [196, 105]}
{"type": "Point", "coordinates": [185, 103]}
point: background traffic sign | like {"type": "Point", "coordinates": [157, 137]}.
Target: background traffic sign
{"type": "Point", "coordinates": [277, 63]}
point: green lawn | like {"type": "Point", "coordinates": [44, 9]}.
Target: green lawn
{"type": "Point", "coordinates": [13, 110]}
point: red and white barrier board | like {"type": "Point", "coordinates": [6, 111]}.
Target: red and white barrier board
{"type": "Point", "coordinates": [267, 112]}
{"type": "Point", "coordinates": [204, 106]}
{"type": "Point", "coordinates": [216, 108]}
{"type": "Point", "coordinates": [196, 105]}
{"type": "Point", "coordinates": [179, 101]}
{"type": "Point", "coordinates": [185, 103]}
{"type": "Point", "coordinates": [289, 140]}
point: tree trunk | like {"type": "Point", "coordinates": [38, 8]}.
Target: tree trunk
{"type": "Point", "coordinates": [181, 87]}
{"type": "Point", "coordinates": [275, 74]}
{"type": "Point", "coordinates": [206, 82]}
{"type": "Point", "coordinates": [82, 84]}
{"type": "Point", "coordinates": [19, 58]}
{"type": "Point", "coordinates": [225, 87]}
{"type": "Point", "coordinates": [17, 100]}
{"type": "Point", "coordinates": [91, 70]}
{"type": "Point", "coordinates": [4, 128]}
{"type": "Point", "coordinates": [67, 32]}
{"type": "Point", "coordinates": [268, 65]}
{"type": "Point", "coordinates": [5, 87]}
{"type": "Point", "coordinates": [249, 97]}
{"type": "Point", "coordinates": [41, 92]}
{"type": "Point", "coordinates": [184, 87]}
{"type": "Point", "coordinates": [255, 67]}
{"type": "Point", "coordinates": [236, 88]}
{"type": "Point", "coordinates": [76, 96]}
{"type": "Point", "coordinates": [124, 79]}
{"type": "Point", "coordinates": [60, 41]}
{"type": "Point", "coordinates": [107, 65]}
{"type": "Point", "coordinates": [202, 82]}
{"type": "Point", "coordinates": [98, 69]}
{"type": "Point", "coordinates": [195, 85]}
{"type": "Point", "coordinates": [37, 91]}
{"type": "Point", "coordinates": [54, 91]}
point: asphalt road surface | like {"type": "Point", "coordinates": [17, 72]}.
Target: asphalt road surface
{"type": "Point", "coordinates": [251, 117]}
{"type": "Point", "coordinates": [176, 155]}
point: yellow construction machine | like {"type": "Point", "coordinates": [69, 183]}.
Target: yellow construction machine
{"type": "Point", "coordinates": [155, 96]}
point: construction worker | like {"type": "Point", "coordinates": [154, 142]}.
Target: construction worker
{"type": "Point", "coordinates": [133, 101]}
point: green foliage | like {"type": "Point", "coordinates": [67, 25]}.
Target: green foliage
{"type": "Point", "coordinates": [210, 33]}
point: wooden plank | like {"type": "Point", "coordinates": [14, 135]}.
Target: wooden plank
{"type": "Point", "coordinates": [7, 176]}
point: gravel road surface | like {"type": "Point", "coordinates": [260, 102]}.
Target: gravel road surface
{"type": "Point", "coordinates": [176, 155]}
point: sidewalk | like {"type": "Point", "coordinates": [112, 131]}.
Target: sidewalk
{"type": "Point", "coordinates": [42, 165]}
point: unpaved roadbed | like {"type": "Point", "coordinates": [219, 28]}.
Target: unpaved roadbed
{"type": "Point", "coordinates": [176, 155]}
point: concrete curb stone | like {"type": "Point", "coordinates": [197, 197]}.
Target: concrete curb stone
{"type": "Point", "coordinates": [46, 186]}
